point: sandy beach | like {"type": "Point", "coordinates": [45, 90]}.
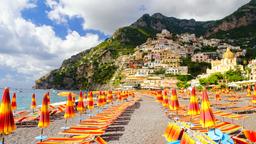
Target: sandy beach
{"type": "Point", "coordinates": [141, 123]}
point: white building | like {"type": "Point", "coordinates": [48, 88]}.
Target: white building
{"type": "Point", "coordinates": [252, 66]}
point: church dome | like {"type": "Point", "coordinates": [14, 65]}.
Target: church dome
{"type": "Point", "coordinates": [228, 54]}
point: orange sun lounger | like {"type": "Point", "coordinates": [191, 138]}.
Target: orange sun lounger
{"type": "Point", "coordinates": [67, 140]}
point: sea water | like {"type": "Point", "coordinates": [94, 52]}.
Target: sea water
{"type": "Point", "coordinates": [24, 96]}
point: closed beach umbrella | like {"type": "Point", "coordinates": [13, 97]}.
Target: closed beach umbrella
{"type": "Point", "coordinates": [193, 108]}
{"type": "Point", "coordinates": [165, 99]}
{"type": "Point", "coordinates": [14, 103]}
{"type": "Point", "coordinates": [248, 90]}
{"type": "Point", "coordinates": [217, 96]}
{"type": "Point", "coordinates": [48, 98]}
{"type": "Point", "coordinates": [7, 124]}
{"type": "Point", "coordinates": [100, 100]}
{"type": "Point", "coordinates": [90, 103]}
{"type": "Point", "coordinates": [44, 119]}
{"type": "Point", "coordinates": [80, 105]}
{"type": "Point", "coordinates": [254, 95]}
{"type": "Point", "coordinates": [174, 103]}
{"type": "Point", "coordinates": [109, 97]}
{"type": "Point", "coordinates": [69, 112]}
{"type": "Point", "coordinates": [159, 97]}
{"type": "Point", "coordinates": [207, 119]}
{"type": "Point", "coordinates": [33, 102]}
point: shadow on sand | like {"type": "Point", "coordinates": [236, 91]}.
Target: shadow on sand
{"type": "Point", "coordinates": [116, 130]}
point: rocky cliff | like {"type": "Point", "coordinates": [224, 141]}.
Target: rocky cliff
{"type": "Point", "coordinates": [94, 68]}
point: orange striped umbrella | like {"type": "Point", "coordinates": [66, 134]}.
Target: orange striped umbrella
{"type": "Point", "coordinates": [48, 98]}
{"type": "Point", "coordinates": [109, 97]}
{"type": "Point", "coordinates": [80, 105]}
{"type": "Point", "coordinates": [14, 103]}
{"type": "Point", "coordinates": [217, 96]}
{"type": "Point", "coordinates": [69, 112]}
{"type": "Point", "coordinates": [7, 125]}
{"type": "Point", "coordinates": [193, 108]}
{"type": "Point", "coordinates": [248, 90]}
{"type": "Point", "coordinates": [119, 96]}
{"type": "Point", "coordinates": [207, 119]}
{"type": "Point", "coordinates": [100, 102]}
{"type": "Point", "coordinates": [104, 97]}
{"type": "Point", "coordinates": [159, 97]}
{"type": "Point", "coordinates": [254, 95]}
{"type": "Point", "coordinates": [174, 103]}
{"type": "Point", "coordinates": [165, 99]}
{"type": "Point", "coordinates": [44, 120]}
{"type": "Point", "coordinates": [90, 103]}
{"type": "Point", "coordinates": [33, 102]}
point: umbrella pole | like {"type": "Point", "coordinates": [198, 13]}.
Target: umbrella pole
{"type": "Point", "coordinates": [66, 121]}
{"type": "Point", "coordinates": [42, 131]}
{"type": "Point", "coordinates": [80, 117]}
{"type": "Point", "coordinates": [3, 140]}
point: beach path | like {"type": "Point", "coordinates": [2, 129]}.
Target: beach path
{"type": "Point", "coordinates": [146, 125]}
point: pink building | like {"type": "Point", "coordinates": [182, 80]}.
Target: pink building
{"type": "Point", "coordinates": [201, 57]}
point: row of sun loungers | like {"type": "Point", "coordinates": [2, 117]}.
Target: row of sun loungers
{"type": "Point", "coordinates": [90, 130]}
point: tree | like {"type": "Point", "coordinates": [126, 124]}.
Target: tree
{"type": "Point", "coordinates": [233, 75]}
{"type": "Point", "coordinates": [212, 79]}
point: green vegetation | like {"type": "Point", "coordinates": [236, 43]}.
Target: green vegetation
{"type": "Point", "coordinates": [103, 73]}
{"type": "Point", "coordinates": [183, 84]}
{"type": "Point", "coordinates": [212, 79]}
{"type": "Point", "coordinates": [229, 76]}
{"type": "Point", "coordinates": [195, 68]}
{"type": "Point", "coordinates": [160, 71]}
{"type": "Point", "coordinates": [206, 49]}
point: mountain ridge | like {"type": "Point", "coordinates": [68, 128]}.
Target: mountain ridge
{"type": "Point", "coordinates": [93, 68]}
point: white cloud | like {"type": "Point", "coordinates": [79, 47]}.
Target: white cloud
{"type": "Point", "coordinates": [108, 15]}
{"type": "Point", "coordinates": [33, 50]}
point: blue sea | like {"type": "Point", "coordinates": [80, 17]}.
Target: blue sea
{"type": "Point", "coordinates": [23, 97]}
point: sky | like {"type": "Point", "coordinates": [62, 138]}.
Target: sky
{"type": "Point", "coordinates": [37, 35]}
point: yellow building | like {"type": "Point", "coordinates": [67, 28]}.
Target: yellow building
{"type": "Point", "coordinates": [227, 63]}
{"type": "Point", "coordinates": [170, 58]}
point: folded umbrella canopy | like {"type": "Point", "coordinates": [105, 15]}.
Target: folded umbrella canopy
{"type": "Point", "coordinates": [193, 108]}
{"type": "Point", "coordinates": [165, 99]}
{"type": "Point", "coordinates": [109, 97]}
{"type": "Point", "coordinates": [90, 103]}
{"type": "Point", "coordinates": [100, 102]}
{"type": "Point", "coordinates": [248, 90]}
{"type": "Point", "coordinates": [174, 102]}
{"type": "Point", "coordinates": [80, 105]}
{"type": "Point", "coordinates": [7, 124]}
{"type": "Point", "coordinates": [33, 102]}
{"type": "Point", "coordinates": [14, 103]}
{"type": "Point", "coordinates": [44, 119]}
{"type": "Point", "coordinates": [254, 95]}
{"type": "Point", "coordinates": [69, 112]}
{"type": "Point", "coordinates": [217, 96]}
{"type": "Point", "coordinates": [159, 96]}
{"type": "Point", "coordinates": [48, 98]}
{"type": "Point", "coordinates": [207, 118]}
